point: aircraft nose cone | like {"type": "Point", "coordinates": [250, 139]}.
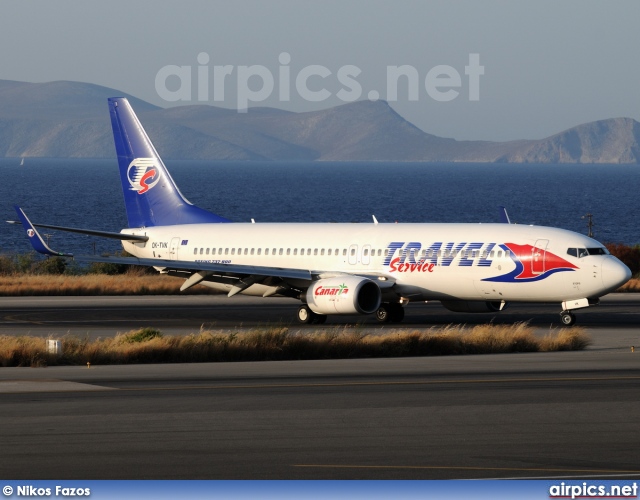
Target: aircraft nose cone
{"type": "Point", "coordinates": [614, 273]}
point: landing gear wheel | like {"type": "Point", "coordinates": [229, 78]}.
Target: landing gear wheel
{"type": "Point", "coordinates": [320, 319]}
{"type": "Point", "coordinates": [390, 313]}
{"type": "Point", "coordinates": [567, 318]}
{"type": "Point", "coordinates": [397, 314]}
{"type": "Point", "coordinates": [383, 314]}
{"type": "Point", "coordinates": [307, 317]}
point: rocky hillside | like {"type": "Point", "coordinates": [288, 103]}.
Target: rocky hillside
{"type": "Point", "coordinates": [70, 119]}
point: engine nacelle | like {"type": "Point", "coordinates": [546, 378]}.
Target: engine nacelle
{"type": "Point", "coordinates": [344, 295]}
{"type": "Point", "coordinates": [464, 306]}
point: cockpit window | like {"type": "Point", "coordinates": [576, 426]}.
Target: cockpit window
{"type": "Point", "coordinates": [598, 251]}
{"type": "Point", "coordinates": [583, 252]}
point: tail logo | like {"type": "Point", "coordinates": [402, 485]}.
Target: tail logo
{"type": "Point", "coordinates": [143, 174]}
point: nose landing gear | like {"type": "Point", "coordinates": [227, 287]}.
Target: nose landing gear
{"type": "Point", "coordinates": [567, 318]}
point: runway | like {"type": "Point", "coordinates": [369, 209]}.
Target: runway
{"type": "Point", "coordinates": [525, 415]}
{"type": "Point", "coordinates": [560, 415]}
{"type": "Point", "coordinates": [179, 315]}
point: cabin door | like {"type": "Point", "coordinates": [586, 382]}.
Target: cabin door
{"type": "Point", "coordinates": [353, 255]}
{"type": "Point", "coordinates": [538, 256]}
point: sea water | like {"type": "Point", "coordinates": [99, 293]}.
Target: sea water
{"type": "Point", "coordinates": [87, 194]}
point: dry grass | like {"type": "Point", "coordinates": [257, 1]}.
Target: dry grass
{"type": "Point", "coordinates": [94, 284]}
{"type": "Point", "coordinates": [631, 286]}
{"type": "Point", "coordinates": [148, 345]}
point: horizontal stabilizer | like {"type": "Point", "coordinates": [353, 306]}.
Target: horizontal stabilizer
{"type": "Point", "coordinates": [90, 232]}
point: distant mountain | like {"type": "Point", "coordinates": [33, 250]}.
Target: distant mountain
{"type": "Point", "coordinates": [70, 119]}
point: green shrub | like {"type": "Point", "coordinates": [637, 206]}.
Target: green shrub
{"type": "Point", "coordinates": [141, 335]}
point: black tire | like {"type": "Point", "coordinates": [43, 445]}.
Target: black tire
{"type": "Point", "coordinates": [305, 315]}
{"type": "Point", "coordinates": [320, 319]}
{"type": "Point", "coordinates": [383, 314]}
{"type": "Point", "coordinates": [567, 319]}
{"type": "Point", "coordinates": [397, 313]}
{"type": "Point", "coordinates": [390, 313]}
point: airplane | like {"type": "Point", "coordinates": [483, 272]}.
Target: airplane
{"type": "Point", "coordinates": [342, 269]}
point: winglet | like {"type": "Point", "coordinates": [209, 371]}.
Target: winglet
{"type": "Point", "coordinates": [504, 216]}
{"type": "Point", "coordinates": [35, 239]}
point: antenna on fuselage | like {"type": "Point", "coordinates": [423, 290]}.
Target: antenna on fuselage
{"type": "Point", "coordinates": [504, 216]}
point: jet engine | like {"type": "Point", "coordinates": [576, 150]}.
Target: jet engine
{"type": "Point", "coordinates": [474, 306]}
{"type": "Point", "coordinates": [344, 295]}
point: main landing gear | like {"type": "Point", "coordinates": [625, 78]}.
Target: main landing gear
{"type": "Point", "coordinates": [307, 317]}
{"type": "Point", "coordinates": [390, 312]}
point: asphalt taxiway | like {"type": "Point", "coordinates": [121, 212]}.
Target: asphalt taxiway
{"type": "Point", "coordinates": [178, 315]}
{"type": "Point", "coordinates": [552, 415]}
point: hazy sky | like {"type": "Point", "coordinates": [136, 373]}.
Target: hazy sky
{"type": "Point", "coordinates": [548, 65]}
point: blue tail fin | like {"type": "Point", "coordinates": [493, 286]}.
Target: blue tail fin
{"type": "Point", "coordinates": [151, 196]}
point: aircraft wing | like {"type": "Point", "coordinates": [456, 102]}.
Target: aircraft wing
{"type": "Point", "coordinates": [230, 270]}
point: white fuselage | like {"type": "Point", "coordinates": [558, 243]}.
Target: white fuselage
{"type": "Point", "coordinates": [425, 261]}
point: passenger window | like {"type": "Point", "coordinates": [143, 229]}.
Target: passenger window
{"type": "Point", "coordinates": [379, 252]}
{"type": "Point", "coordinates": [295, 251]}
{"type": "Point", "coordinates": [288, 251]}
{"type": "Point", "coordinates": [329, 252]}
{"type": "Point", "coordinates": [322, 252]}
{"type": "Point", "coordinates": [201, 251]}
{"type": "Point", "coordinates": [195, 251]}
{"type": "Point", "coordinates": [213, 251]}
{"type": "Point", "coordinates": [266, 251]}
{"type": "Point", "coordinates": [226, 251]}
{"type": "Point", "coordinates": [499, 254]}
{"type": "Point", "coordinates": [207, 252]}
{"type": "Point", "coordinates": [353, 251]}
{"type": "Point", "coordinates": [366, 252]}
{"type": "Point", "coordinates": [233, 251]}
{"type": "Point", "coordinates": [252, 251]}
{"type": "Point", "coordinates": [492, 254]}
{"type": "Point", "coordinates": [315, 251]}
{"type": "Point", "coordinates": [259, 251]}
{"type": "Point", "coordinates": [281, 251]}
{"type": "Point", "coordinates": [246, 250]}
{"type": "Point", "coordinates": [386, 252]}
{"type": "Point", "coordinates": [344, 252]}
